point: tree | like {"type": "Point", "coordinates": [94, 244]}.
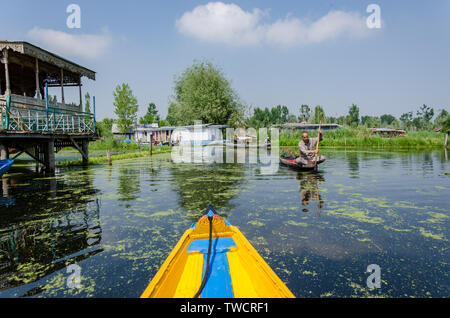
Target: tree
{"type": "Point", "coordinates": [279, 115]}
{"type": "Point", "coordinates": [151, 116]}
{"type": "Point", "coordinates": [171, 120]}
{"type": "Point", "coordinates": [424, 116]}
{"type": "Point", "coordinates": [87, 103]}
{"type": "Point", "coordinates": [331, 120]}
{"type": "Point", "coordinates": [387, 119]}
{"type": "Point", "coordinates": [292, 118]}
{"type": "Point", "coordinates": [104, 127]}
{"type": "Point", "coordinates": [52, 100]}
{"type": "Point", "coordinates": [406, 119]}
{"type": "Point", "coordinates": [163, 123]}
{"type": "Point", "coordinates": [370, 121]}
{"type": "Point", "coordinates": [341, 120]}
{"type": "Point", "coordinates": [353, 116]}
{"type": "Point", "coordinates": [125, 107]}
{"type": "Point", "coordinates": [439, 120]}
{"type": "Point", "coordinates": [305, 113]}
{"type": "Point", "coordinates": [319, 115]}
{"type": "Point", "coordinates": [203, 93]}
{"type": "Point", "coordinates": [284, 114]}
{"type": "Point", "coordinates": [446, 125]}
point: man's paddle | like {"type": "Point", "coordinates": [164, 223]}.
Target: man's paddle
{"type": "Point", "coordinates": [317, 146]}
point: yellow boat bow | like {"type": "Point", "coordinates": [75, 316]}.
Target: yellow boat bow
{"type": "Point", "coordinates": [235, 268]}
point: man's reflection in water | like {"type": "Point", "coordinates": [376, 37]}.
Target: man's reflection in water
{"type": "Point", "coordinates": [309, 189]}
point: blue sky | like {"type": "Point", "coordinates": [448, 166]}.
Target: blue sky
{"type": "Point", "coordinates": [273, 52]}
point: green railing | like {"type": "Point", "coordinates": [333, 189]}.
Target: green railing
{"type": "Point", "coordinates": [50, 119]}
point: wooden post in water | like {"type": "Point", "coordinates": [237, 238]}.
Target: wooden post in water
{"type": "Point", "coordinates": [108, 155]}
{"type": "Point", "coordinates": [49, 156]}
{"type": "Point", "coordinates": [5, 187]}
{"type": "Point", "coordinates": [151, 144]}
{"type": "Point", "coordinates": [4, 152]}
{"type": "Point", "coordinates": [85, 148]}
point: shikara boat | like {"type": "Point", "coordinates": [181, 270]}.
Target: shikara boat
{"type": "Point", "coordinates": [292, 163]}
{"type": "Point", "coordinates": [5, 164]}
{"type": "Point", "coordinates": [214, 260]}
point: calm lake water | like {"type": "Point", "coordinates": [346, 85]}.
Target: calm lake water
{"type": "Point", "coordinates": [318, 231]}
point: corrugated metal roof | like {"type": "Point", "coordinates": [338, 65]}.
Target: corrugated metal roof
{"type": "Point", "coordinates": [46, 56]}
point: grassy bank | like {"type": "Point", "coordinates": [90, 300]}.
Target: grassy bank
{"type": "Point", "coordinates": [115, 145]}
{"type": "Point", "coordinates": [126, 155]}
{"type": "Point", "coordinates": [362, 137]}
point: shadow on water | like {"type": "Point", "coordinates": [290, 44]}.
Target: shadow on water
{"type": "Point", "coordinates": [53, 224]}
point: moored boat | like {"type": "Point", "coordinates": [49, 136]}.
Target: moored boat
{"type": "Point", "coordinates": [214, 260]}
{"type": "Point", "coordinates": [5, 164]}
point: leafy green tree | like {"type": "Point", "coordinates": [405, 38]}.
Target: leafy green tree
{"type": "Point", "coordinates": [151, 116]}
{"type": "Point", "coordinates": [163, 123]}
{"type": "Point", "coordinates": [387, 119]}
{"type": "Point", "coordinates": [319, 115]}
{"type": "Point", "coordinates": [258, 118]}
{"type": "Point", "coordinates": [370, 121]}
{"type": "Point", "coordinates": [87, 103]}
{"type": "Point", "coordinates": [52, 100]}
{"type": "Point", "coordinates": [203, 93]}
{"type": "Point", "coordinates": [275, 115]}
{"type": "Point", "coordinates": [446, 125]}
{"type": "Point", "coordinates": [104, 127]}
{"type": "Point", "coordinates": [305, 113]}
{"type": "Point", "coordinates": [417, 123]}
{"type": "Point", "coordinates": [266, 117]}
{"type": "Point", "coordinates": [284, 114]}
{"type": "Point", "coordinates": [341, 120]}
{"type": "Point", "coordinates": [407, 119]}
{"type": "Point", "coordinates": [279, 115]}
{"type": "Point", "coordinates": [424, 116]}
{"type": "Point", "coordinates": [331, 120]}
{"type": "Point", "coordinates": [440, 118]}
{"type": "Point", "coordinates": [125, 107]}
{"type": "Point", "coordinates": [171, 120]}
{"type": "Point", "coordinates": [292, 118]}
{"type": "Point", "coordinates": [353, 116]}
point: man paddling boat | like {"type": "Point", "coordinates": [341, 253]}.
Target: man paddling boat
{"type": "Point", "coordinates": [309, 154]}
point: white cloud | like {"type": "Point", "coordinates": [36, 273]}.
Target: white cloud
{"type": "Point", "coordinates": [218, 22]}
{"type": "Point", "coordinates": [88, 46]}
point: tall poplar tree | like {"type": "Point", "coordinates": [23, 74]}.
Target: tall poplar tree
{"type": "Point", "coordinates": [125, 107]}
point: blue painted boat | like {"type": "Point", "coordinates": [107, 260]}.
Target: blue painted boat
{"type": "Point", "coordinates": [5, 164]}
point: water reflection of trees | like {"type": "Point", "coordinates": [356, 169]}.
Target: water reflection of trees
{"type": "Point", "coordinates": [199, 185]}
{"type": "Point", "coordinates": [129, 183]}
{"type": "Point", "coordinates": [353, 163]}
{"type": "Point", "coordinates": [309, 189]}
{"type": "Point", "coordinates": [58, 226]}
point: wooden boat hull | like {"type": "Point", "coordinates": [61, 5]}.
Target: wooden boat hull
{"type": "Point", "coordinates": [5, 164]}
{"type": "Point", "coordinates": [236, 269]}
{"type": "Point", "coordinates": [291, 163]}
